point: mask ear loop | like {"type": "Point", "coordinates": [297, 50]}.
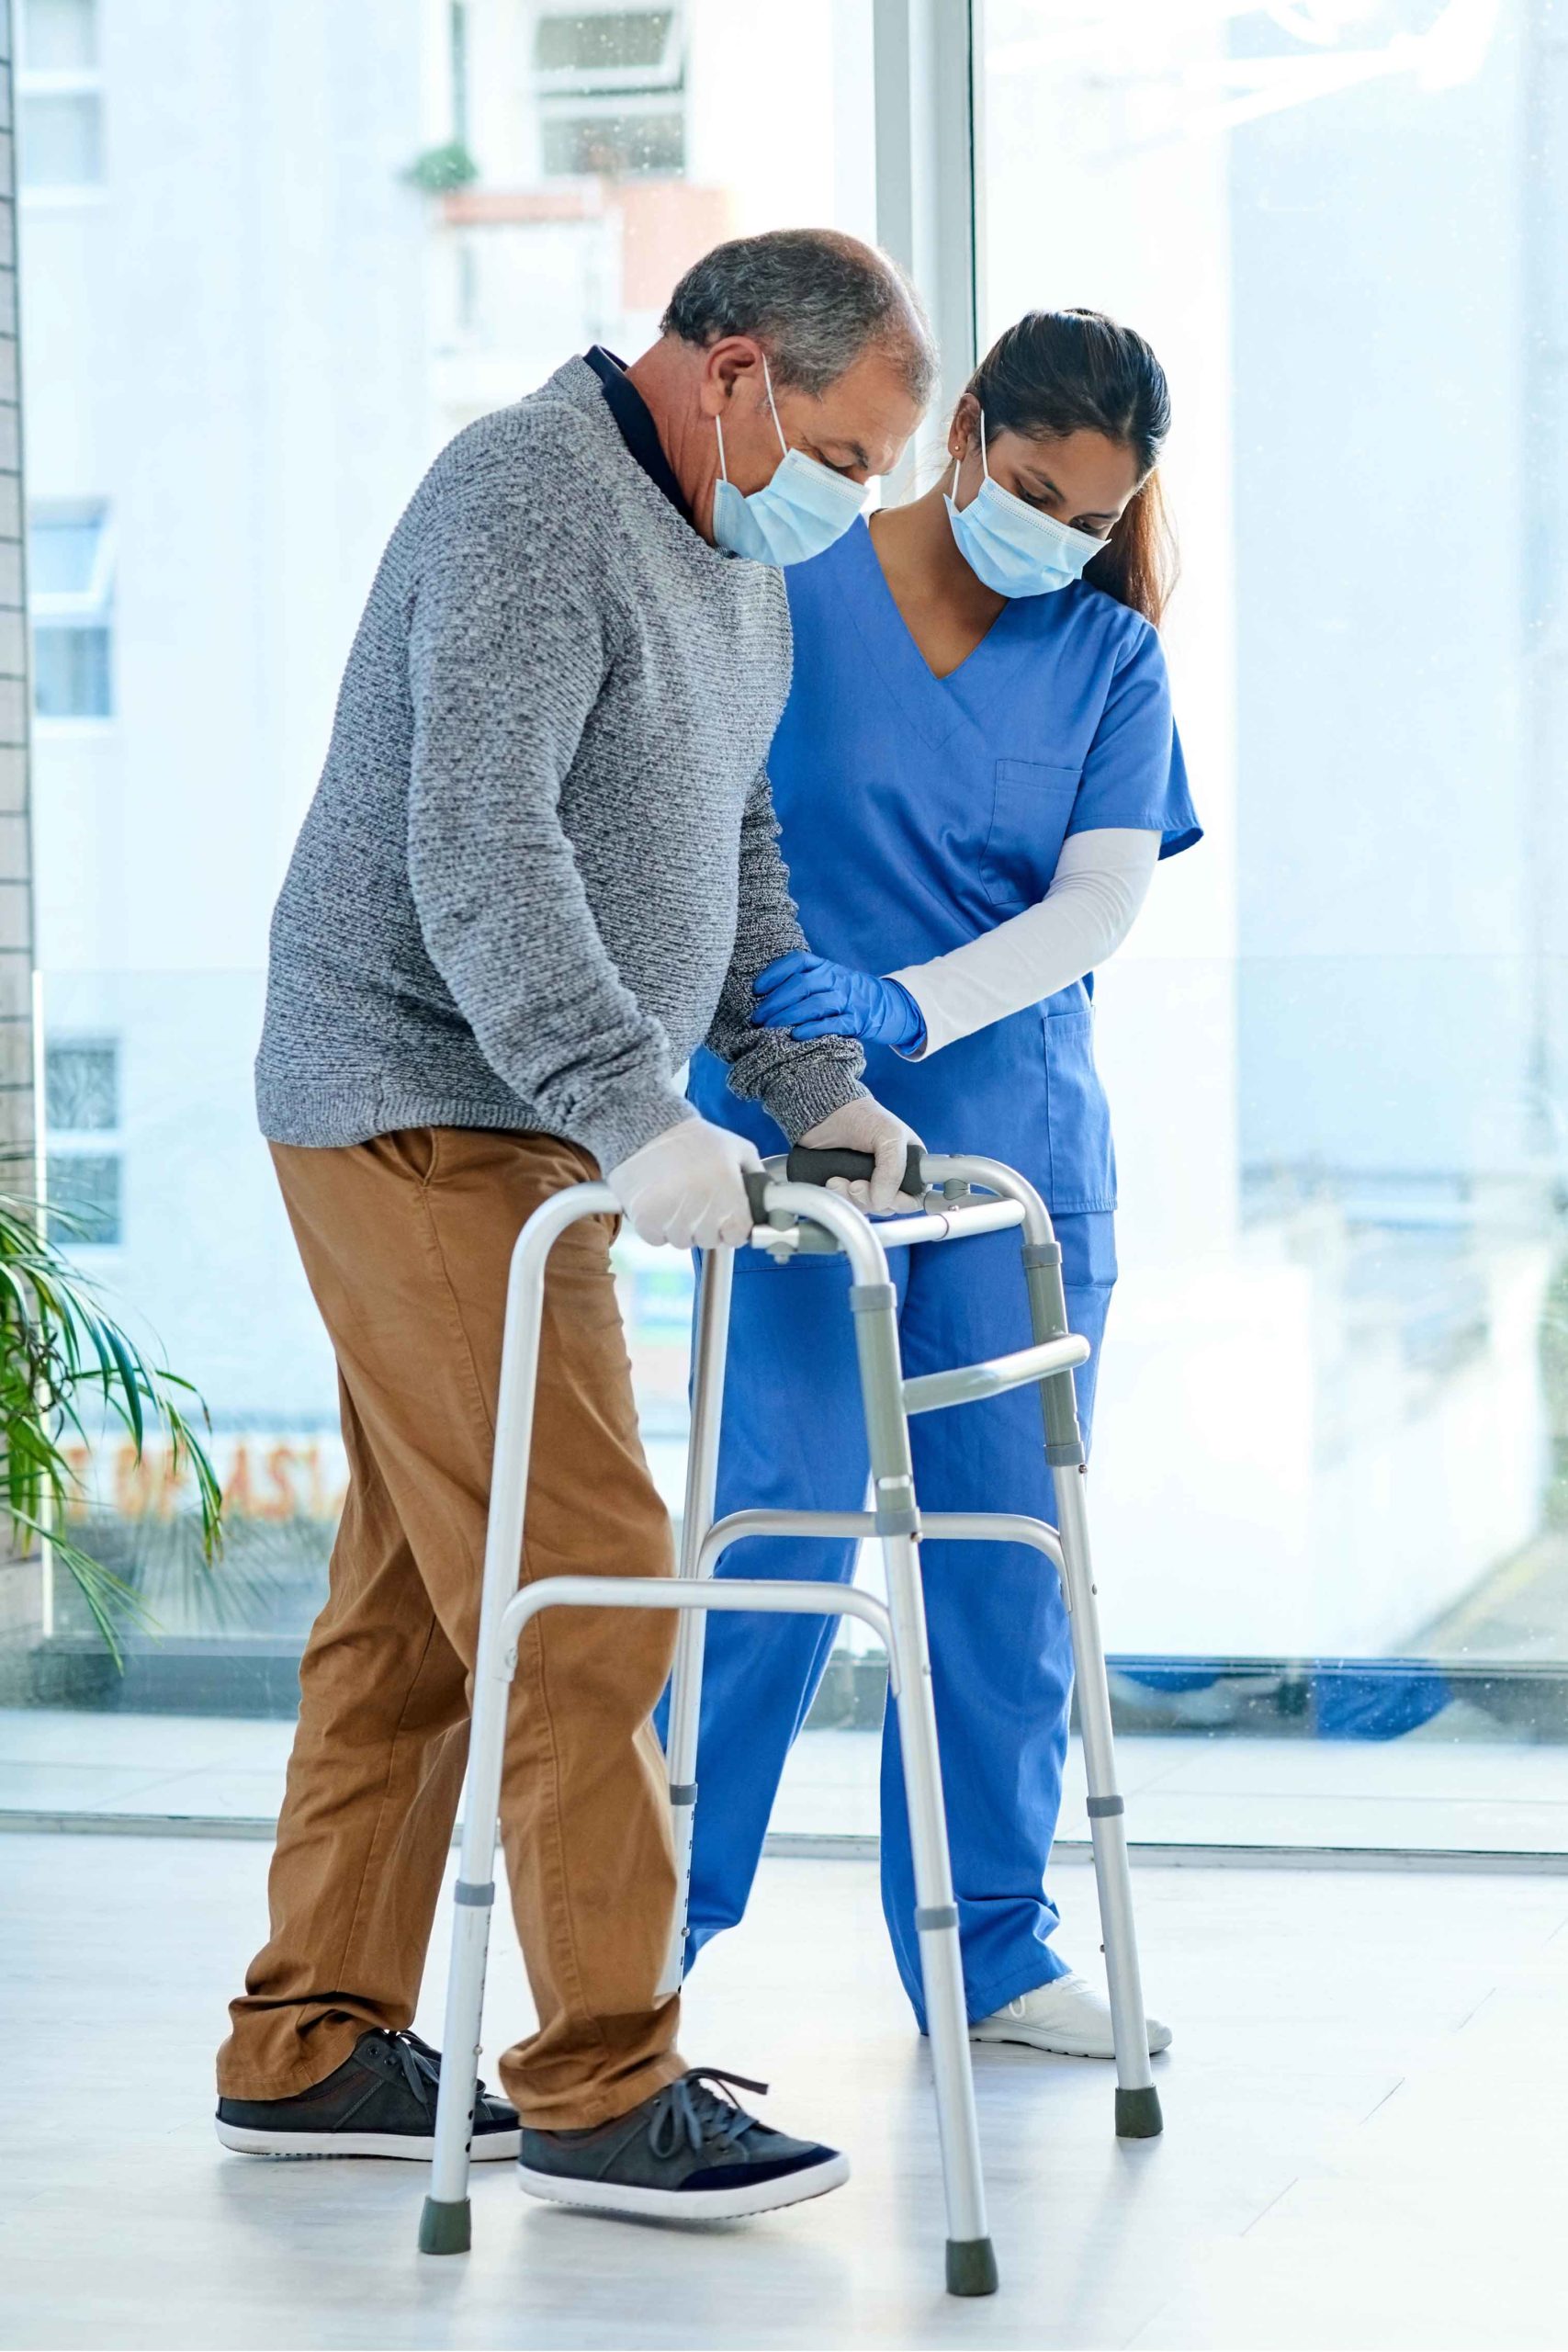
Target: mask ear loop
{"type": "Point", "coordinates": [778, 428]}
{"type": "Point", "coordinates": [985, 468]}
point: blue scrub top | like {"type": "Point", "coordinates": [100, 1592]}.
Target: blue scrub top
{"type": "Point", "coordinates": [919, 812]}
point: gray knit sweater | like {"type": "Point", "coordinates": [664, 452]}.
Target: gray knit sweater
{"type": "Point", "coordinates": [541, 865]}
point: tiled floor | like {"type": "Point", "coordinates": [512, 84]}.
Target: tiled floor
{"type": "Point", "coordinates": [1363, 2105]}
{"type": "Point", "coordinates": [1427, 1791]}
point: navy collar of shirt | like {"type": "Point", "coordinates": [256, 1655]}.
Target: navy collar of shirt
{"type": "Point", "coordinates": [638, 430]}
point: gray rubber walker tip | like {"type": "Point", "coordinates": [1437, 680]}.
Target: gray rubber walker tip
{"type": "Point", "coordinates": [1137, 2115]}
{"type": "Point", "coordinates": [971, 2267]}
{"type": "Point", "coordinates": [443, 2229]}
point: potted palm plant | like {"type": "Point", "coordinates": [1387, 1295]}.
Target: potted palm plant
{"type": "Point", "coordinates": [65, 1364]}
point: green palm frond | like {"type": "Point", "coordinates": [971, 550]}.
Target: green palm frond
{"type": "Point", "coordinates": [61, 1352]}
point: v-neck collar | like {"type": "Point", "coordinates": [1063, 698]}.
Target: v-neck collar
{"type": "Point", "coordinates": [937, 706]}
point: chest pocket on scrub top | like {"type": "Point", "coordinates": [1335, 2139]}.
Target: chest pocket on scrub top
{"type": "Point", "coordinates": [1030, 809]}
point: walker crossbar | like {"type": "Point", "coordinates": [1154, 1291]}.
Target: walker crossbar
{"type": "Point", "coordinates": [789, 1216]}
{"type": "Point", "coordinates": [780, 1597]}
{"type": "Point", "coordinates": [967, 1383]}
{"type": "Point", "coordinates": [948, 1526]}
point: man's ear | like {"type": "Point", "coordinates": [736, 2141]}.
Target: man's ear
{"type": "Point", "coordinates": [729, 365]}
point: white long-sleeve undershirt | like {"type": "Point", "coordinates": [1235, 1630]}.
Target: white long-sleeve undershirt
{"type": "Point", "coordinates": [1101, 881]}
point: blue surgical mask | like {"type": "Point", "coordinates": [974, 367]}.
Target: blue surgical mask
{"type": "Point", "coordinates": [802, 511]}
{"type": "Point", "coordinates": [1014, 548]}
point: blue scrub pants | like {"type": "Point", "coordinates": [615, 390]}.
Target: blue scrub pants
{"type": "Point", "coordinates": [792, 1438]}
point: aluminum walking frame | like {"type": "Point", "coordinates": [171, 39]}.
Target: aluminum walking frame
{"type": "Point", "coordinates": [795, 1214]}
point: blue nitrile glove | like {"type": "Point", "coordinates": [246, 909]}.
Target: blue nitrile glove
{"type": "Point", "coordinates": [812, 998]}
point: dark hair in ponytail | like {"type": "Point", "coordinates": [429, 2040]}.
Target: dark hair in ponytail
{"type": "Point", "coordinates": [1070, 371]}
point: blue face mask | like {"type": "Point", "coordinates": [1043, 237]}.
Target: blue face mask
{"type": "Point", "coordinates": [1012, 548]}
{"type": "Point", "coordinates": [802, 511]}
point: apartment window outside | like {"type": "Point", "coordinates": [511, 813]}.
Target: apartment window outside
{"type": "Point", "coordinates": [86, 1161]}
{"type": "Point", "coordinates": [59, 95]}
{"type": "Point", "coordinates": [70, 576]}
{"type": "Point", "coordinates": [610, 85]}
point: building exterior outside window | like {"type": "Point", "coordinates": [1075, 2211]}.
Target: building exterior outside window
{"type": "Point", "coordinates": [81, 1093]}
{"type": "Point", "coordinates": [59, 95]}
{"type": "Point", "coordinates": [70, 576]}
{"type": "Point", "coordinates": [610, 86]}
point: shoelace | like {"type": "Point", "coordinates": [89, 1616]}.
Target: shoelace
{"type": "Point", "coordinates": [421, 2067]}
{"type": "Point", "coordinates": [704, 2118]}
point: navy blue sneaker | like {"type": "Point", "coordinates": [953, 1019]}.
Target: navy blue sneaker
{"type": "Point", "coordinates": [690, 2153]}
{"type": "Point", "coordinates": [380, 2102]}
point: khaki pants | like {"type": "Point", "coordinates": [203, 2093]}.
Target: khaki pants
{"type": "Point", "coordinates": [407, 1241]}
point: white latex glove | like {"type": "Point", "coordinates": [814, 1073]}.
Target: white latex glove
{"type": "Point", "coordinates": [864, 1125]}
{"type": "Point", "coordinates": [685, 1186]}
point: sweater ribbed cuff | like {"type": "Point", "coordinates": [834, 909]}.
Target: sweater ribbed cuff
{"type": "Point", "coordinates": [809, 1089]}
{"type": "Point", "coordinates": [629, 1118]}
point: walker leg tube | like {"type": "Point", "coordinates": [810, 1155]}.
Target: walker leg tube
{"type": "Point", "coordinates": [445, 2224]}
{"type": "Point", "coordinates": [715, 1285]}
{"type": "Point", "coordinates": [971, 2262]}
{"type": "Point", "coordinates": [1137, 2101]}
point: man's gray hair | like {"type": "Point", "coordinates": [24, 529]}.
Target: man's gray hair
{"type": "Point", "coordinates": [816, 299]}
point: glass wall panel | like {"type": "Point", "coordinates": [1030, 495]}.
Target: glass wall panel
{"type": "Point", "coordinates": [321, 240]}
{"type": "Point", "coordinates": [1329, 1475]}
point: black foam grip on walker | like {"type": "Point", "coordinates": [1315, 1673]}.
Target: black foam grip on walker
{"type": "Point", "coordinates": [808, 1167]}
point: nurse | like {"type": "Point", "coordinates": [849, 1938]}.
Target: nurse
{"type": "Point", "coordinates": [976, 773]}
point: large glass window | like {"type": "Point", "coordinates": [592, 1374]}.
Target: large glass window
{"type": "Point", "coordinates": [390, 217]}
{"type": "Point", "coordinates": [1332, 1431]}
{"type": "Point", "coordinates": [1328, 1476]}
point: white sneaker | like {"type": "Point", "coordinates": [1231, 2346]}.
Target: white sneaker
{"type": "Point", "coordinates": [1067, 2016]}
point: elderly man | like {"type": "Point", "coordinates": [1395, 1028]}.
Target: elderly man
{"type": "Point", "coordinates": [540, 868]}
